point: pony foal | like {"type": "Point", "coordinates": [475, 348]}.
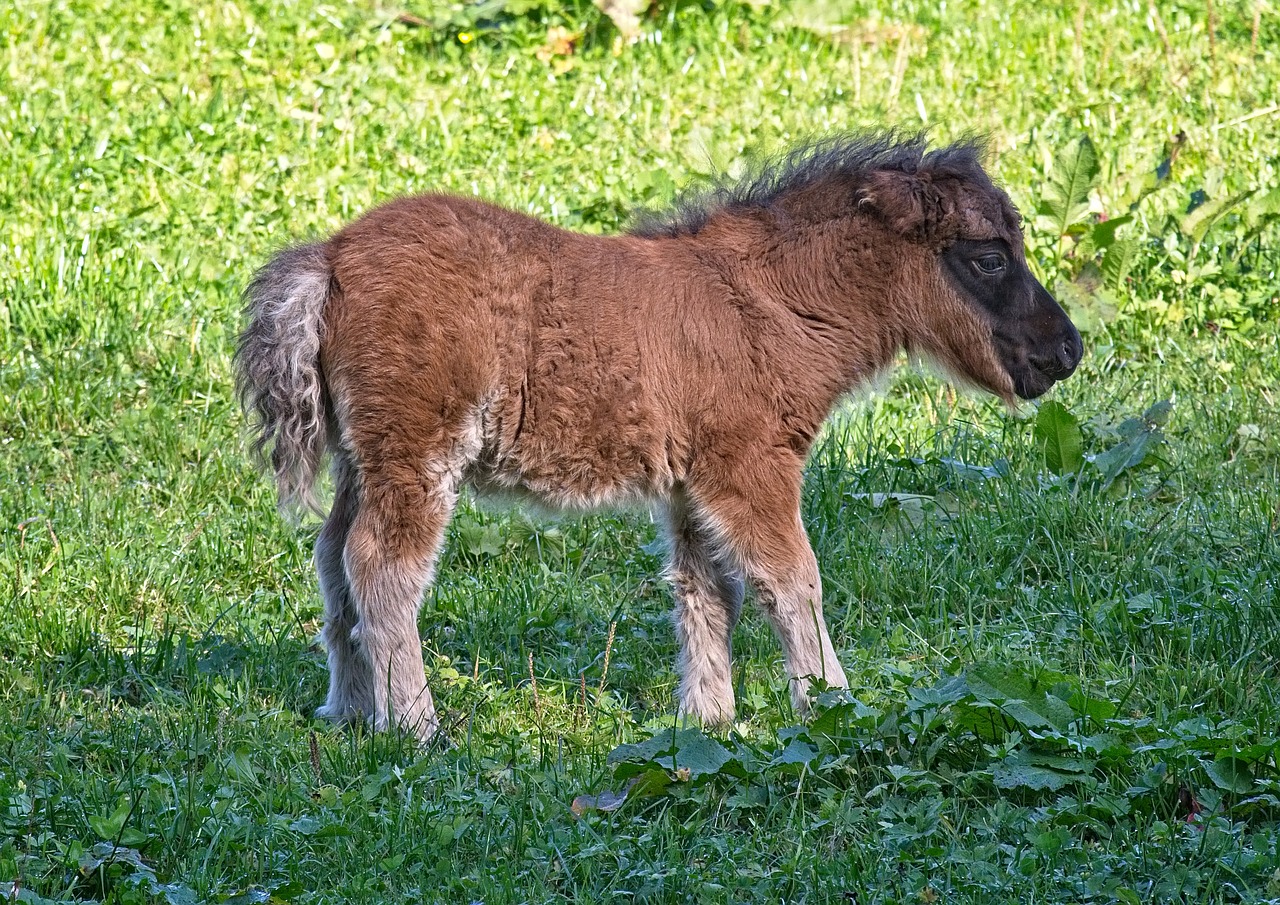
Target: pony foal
{"type": "Point", "coordinates": [439, 342]}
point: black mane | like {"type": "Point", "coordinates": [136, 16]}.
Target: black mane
{"type": "Point", "coordinates": [845, 157]}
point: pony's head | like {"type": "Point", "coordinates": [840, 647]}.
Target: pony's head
{"type": "Point", "coordinates": [979, 298]}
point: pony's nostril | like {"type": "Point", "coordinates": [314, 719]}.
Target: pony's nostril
{"type": "Point", "coordinates": [1059, 361]}
{"type": "Point", "coordinates": [1069, 354]}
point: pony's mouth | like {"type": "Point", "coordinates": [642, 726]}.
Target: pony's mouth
{"type": "Point", "coordinates": [1033, 373]}
{"type": "Point", "coordinates": [1030, 382]}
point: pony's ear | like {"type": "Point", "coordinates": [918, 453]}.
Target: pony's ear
{"type": "Point", "coordinates": [910, 204]}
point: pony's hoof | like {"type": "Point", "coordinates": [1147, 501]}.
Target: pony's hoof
{"type": "Point", "coordinates": [422, 723]}
{"type": "Point", "coordinates": [708, 712]}
{"type": "Point", "coordinates": [338, 713]}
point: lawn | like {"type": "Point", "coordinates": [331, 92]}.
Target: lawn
{"type": "Point", "coordinates": [1060, 624]}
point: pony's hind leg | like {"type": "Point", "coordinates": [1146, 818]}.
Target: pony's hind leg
{"type": "Point", "coordinates": [350, 676]}
{"type": "Point", "coordinates": [390, 557]}
{"type": "Point", "coordinates": [708, 597]}
{"type": "Point", "coordinates": [410, 475]}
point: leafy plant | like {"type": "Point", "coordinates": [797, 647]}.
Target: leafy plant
{"type": "Point", "coordinates": [1018, 731]}
{"type": "Point", "coordinates": [1091, 272]}
{"type": "Point", "coordinates": [1139, 439]}
{"type": "Point", "coordinates": [1092, 262]}
{"type": "Point", "coordinates": [1134, 442]}
{"type": "Point", "coordinates": [1065, 204]}
{"type": "Point", "coordinates": [1057, 433]}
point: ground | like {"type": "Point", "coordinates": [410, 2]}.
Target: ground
{"type": "Point", "coordinates": [1060, 624]}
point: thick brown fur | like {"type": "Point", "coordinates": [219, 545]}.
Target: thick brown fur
{"type": "Point", "coordinates": [440, 341]}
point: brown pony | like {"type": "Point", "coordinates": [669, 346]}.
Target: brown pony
{"type": "Point", "coordinates": [439, 342]}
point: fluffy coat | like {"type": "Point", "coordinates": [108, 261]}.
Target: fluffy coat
{"type": "Point", "coordinates": [439, 342]}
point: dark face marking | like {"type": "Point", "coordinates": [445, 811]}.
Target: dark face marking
{"type": "Point", "coordinates": [1036, 341]}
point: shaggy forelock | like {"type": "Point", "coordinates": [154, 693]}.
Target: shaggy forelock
{"type": "Point", "coordinates": [845, 158]}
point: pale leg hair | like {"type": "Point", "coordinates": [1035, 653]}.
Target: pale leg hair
{"type": "Point", "coordinates": [708, 598]}
{"type": "Point", "coordinates": [390, 558]}
{"type": "Point", "coordinates": [350, 676]}
{"type": "Point", "coordinates": [754, 510]}
{"type": "Point", "coordinates": [791, 597]}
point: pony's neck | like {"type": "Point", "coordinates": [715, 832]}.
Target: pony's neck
{"type": "Point", "coordinates": [841, 280]}
{"type": "Point", "coordinates": [828, 295]}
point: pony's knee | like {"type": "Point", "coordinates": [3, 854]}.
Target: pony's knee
{"type": "Point", "coordinates": [787, 597]}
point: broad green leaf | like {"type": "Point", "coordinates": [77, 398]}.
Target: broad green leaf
{"type": "Point", "coordinates": [701, 755]}
{"type": "Point", "coordinates": [748, 797]}
{"type": "Point", "coordinates": [1260, 752]}
{"type": "Point", "coordinates": [1044, 712]}
{"type": "Point", "coordinates": [1118, 260]}
{"type": "Point", "coordinates": [835, 721]}
{"type": "Point", "coordinates": [983, 718]}
{"type": "Point", "coordinates": [950, 690]}
{"type": "Point", "coordinates": [1082, 765]}
{"type": "Point", "coordinates": [1012, 774]}
{"type": "Point", "coordinates": [797, 751]}
{"type": "Point", "coordinates": [646, 751]}
{"type": "Point", "coordinates": [1057, 433]}
{"type": "Point", "coordinates": [998, 682]}
{"type": "Point", "coordinates": [1126, 454]}
{"type": "Point", "coordinates": [1074, 171]}
{"type": "Point", "coordinates": [1230, 774]}
{"type": "Point", "coordinates": [1158, 414]}
{"type": "Point", "coordinates": [1094, 708]}
{"type": "Point", "coordinates": [1102, 235]}
{"type": "Point", "coordinates": [684, 749]}
{"type": "Point", "coordinates": [306, 826]}
{"type": "Point", "coordinates": [1052, 841]}
{"type": "Point", "coordinates": [110, 827]}
{"type": "Point", "coordinates": [1139, 437]}
{"type": "Point", "coordinates": [1126, 896]}
{"type": "Point", "coordinates": [240, 766]}
{"type": "Point", "coordinates": [1040, 772]}
{"type": "Point", "coordinates": [1096, 238]}
{"type": "Point", "coordinates": [104, 853]}
{"type": "Point", "coordinates": [479, 539]}
{"type": "Point", "coordinates": [1023, 698]}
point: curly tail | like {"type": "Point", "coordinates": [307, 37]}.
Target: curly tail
{"type": "Point", "coordinates": [277, 365]}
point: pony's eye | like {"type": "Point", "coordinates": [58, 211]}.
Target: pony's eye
{"type": "Point", "coordinates": [991, 265]}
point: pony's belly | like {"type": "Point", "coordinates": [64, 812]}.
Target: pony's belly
{"type": "Point", "coordinates": [573, 487]}
{"type": "Point", "coordinates": [567, 458]}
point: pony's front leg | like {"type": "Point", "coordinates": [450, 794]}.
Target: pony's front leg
{"type": "Point", "coordinates": [790, 593]}
{"type": "Point", "coordinates": [390, 556]}
{"type": "Point", "coordinates": [755, 510]}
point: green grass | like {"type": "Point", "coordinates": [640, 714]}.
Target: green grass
{"type": "Point", "coordinates": [157, 665]}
